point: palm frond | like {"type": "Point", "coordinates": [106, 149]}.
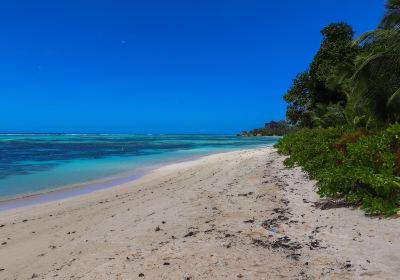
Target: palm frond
{"type": "Point", "coordinates": [392, 15]}
{"type": "Point", "coordinates": [393, 97]}
{"type": "Point", "coordinates": [366, 62]}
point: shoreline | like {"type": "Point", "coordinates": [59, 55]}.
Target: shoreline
{"type": "Point", "coordinates": [69, 191]}
{"type": "Point", "coordinates": [233, 215]}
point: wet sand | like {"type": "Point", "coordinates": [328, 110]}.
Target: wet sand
{"type": "Point", "coordinates": [234, 215]}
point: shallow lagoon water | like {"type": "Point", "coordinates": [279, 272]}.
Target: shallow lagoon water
{"type": "Point", "coordinates": [35, 163]}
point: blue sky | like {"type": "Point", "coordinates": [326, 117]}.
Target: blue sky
{"type": "Point", "coordinates": [184, 66]}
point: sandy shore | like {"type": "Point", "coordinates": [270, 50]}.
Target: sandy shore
{"type": "Point", "coordinates": [235, 215]}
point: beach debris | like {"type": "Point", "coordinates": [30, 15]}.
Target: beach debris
{"type": "Point", "coordinates": [294, 256]}
{"type": "Point", "coordinates": [245, 194]}
{"type": "Point", "coordinates": [331, 204]}
{"type": "Point", "coordinates": [166, 263]}
{"type": "Point", "coordinates": [347, 265]}
{"type": "Point", "coordinates": [283, 243]}
{"type": "Point", "coordinates": [141, 275]}
{"type": "Point", "coordinates": [249, 221]}
{"type": "Point", "coordinates": [273, 223]}
{"type": "Point", "coordinates": [315, 244]}
{"type": "Point", "coordinates": [191, 233]}
{"type": "Point", "coordinates": [157, 228]}
{"type": "Point", "coordinates": [260, 195]}
{"type": "Point", "coordinates": [34, 275]}
{"type": "Point", "coordinates": [2, 226]}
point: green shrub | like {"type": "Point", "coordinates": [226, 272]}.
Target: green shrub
{"type": "Point", "coordinates": [358, 165]}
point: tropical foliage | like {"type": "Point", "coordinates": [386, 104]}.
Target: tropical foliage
{"type": "Point", "coordinates": [360, 166]}
{"type": "Point", "coordinates": [377, 77]}
{"type": "Point", "coordinates": [347, 106]}
{"type": "Point", "coordinates": [312, 92]}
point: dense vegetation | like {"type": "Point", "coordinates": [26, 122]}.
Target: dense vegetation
{"type": "Point", "coordinates": [346, 107]}
{"type": "Point", "coordinates": [361, 166]}
{"type": "Point", "coordinates": [271, 128]}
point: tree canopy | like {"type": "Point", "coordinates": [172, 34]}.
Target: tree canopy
{"type": "Point", "coordinates": [350, 98]}
{"type": "Point", "coordinates": [353, 81]}
{"type": "Point", "coordinates": [311, 88]}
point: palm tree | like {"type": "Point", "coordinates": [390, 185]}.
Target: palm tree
{"type": "Point", "coordinates": [330, 115]}
{"type": "Point", "coordinates": [377, 77]}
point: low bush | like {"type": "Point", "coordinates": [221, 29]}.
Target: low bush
{"type": "Point", "coordinates": [359, 166]}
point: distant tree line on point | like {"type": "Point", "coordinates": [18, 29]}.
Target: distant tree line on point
{"type": "Point", "coordinates": [272, 128]}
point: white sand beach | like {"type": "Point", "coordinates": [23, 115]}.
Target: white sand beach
{"type": "Point", "coordinates": [234, 215]}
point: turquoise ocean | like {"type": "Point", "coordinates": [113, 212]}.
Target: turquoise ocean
{"type": "Point", "coordinates": [37, 163]}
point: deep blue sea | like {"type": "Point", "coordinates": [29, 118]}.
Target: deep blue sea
{"type": "Point", "coordinates": [32, 163]}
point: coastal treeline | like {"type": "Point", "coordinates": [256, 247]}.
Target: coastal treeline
{"type": "Point", "coordinates": [272, 128]}
{"type": "Point", "coordinates": [346, 108]}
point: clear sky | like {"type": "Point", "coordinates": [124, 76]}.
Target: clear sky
{"type": "Point", "coordinates": [157, 66]}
